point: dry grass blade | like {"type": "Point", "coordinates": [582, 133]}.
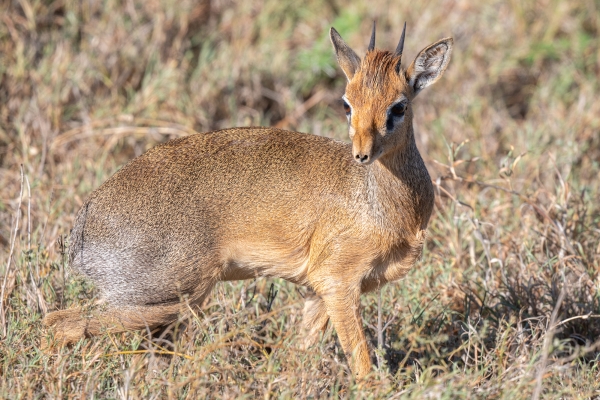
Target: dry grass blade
{"type": "Point", "coordinates": [549, 336]}
{"type": "Point", "coordinates": [3, 294]}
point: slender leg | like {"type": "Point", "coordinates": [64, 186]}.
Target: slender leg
{"type": "Point", "coordinates": [73, 324]}
{"type": "Point", "coordinates": [344, 313]}
{"type": "Point", "coordinates": [315, 319]}
{"type": "Point", "coordinates": [339, 289]}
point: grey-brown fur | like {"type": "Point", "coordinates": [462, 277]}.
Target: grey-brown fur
{"type": "Point", "coordinates": [248, 202]}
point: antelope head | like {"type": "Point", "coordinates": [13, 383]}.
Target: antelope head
{"type": "Point", "coordinates": [380, 91]}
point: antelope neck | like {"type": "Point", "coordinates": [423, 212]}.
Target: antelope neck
{"type": "Point", "coordinates": [395, 186]}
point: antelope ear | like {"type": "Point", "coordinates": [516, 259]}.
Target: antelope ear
{"type": "Point", "coordinates": [346, 57]}
{"type": "Point", "coordinates": [429, 65]}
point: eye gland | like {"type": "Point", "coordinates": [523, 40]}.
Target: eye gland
{"type": "Point", "coordinates": [389, 124]}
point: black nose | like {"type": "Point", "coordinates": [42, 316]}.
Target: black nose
{"type": "Point", "coordinates": [362, 158]}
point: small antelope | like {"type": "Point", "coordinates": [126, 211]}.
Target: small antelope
{"type": "Point", "coordinates": [341, 219]}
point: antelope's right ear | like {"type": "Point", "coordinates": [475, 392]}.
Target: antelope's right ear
{"type": "Point", "coordinates": [429, 65]}
{"type": "Point", "coordinates": [346, 57]}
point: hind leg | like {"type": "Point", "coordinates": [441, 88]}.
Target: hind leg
{"type": "Point", "coordinates": [314, 319]}
{"type": "Point", "coordinates": [75, 323]}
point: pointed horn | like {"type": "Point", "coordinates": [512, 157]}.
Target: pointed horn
{"type": "Point", "coordinates": [400, 47]}
{"type": "Point", "coordinates": [372, 42]}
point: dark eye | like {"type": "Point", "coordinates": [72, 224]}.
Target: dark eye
{"type": "Point", "coordinates": [398, 110]}
{"type": "Point", "coordinates": [347, 108]}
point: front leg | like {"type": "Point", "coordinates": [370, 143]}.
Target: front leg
{"type": "Point", "coordinates": [342, 300]}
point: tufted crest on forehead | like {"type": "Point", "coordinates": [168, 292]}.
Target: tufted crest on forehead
{"type": "Point", "coordinates": [377, 68]}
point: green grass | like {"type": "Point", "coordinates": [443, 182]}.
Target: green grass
{"type": "Point", "coordinates": [504, 301]}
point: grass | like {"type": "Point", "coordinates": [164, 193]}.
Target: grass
{"type": "Point", "coordinates": [504, 302]}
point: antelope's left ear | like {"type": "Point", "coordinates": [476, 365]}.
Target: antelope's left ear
{"type": "Point", "coordinates": [429, 65]}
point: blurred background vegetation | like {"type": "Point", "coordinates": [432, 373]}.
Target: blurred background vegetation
{"type": "Point", "coordinates": [504, 302]}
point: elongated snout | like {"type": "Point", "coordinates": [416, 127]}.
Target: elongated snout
{"type": "Point", "coordinates": [362, 148]}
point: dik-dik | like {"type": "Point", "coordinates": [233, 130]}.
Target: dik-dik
{"type": "Point", "coordinates": [342, 219]}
